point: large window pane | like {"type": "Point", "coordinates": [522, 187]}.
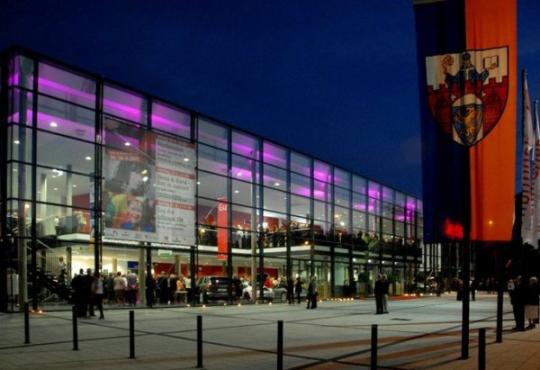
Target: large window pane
{"type": "Point", "coordinates": [322, 171]}
{"type": "Point", "coordinates": [19, 181]}
{"type": "Point", "coordinates": [65, 154]}
{"type": "Point", "coordinates": [359, 202]}
{"type": "Point", "coordinates": [275, 155]}
{"type": "Point", "coordinates": [322, 191]}
{"type": "Point", "coordinates": [341, 218]}
{"type": "Point", "coordinates": [213, 160]}
{"type": "Point", "coordinates": [172, 120]}
{"type": "Point", "coordinates": [124, 104]}
{"type": "Point", "coordinates": [359, 220]}
{"type": "Point", "coordinates": [300, 185]}
{"type": "Point", "coordinates": [65, 118]}
{"type": "Point", "coordinates": [123, 136]}
{"type": "Point", "coordinates": [244, 218]}
{"type": "Point", "coordinates": [66, 85]}
{"type": "Point", "coordinates": [211, 186]}
{"type": "Point", "coordinates": [65, 222]}
{"type": "Point", "coordinates": [300, 206]}
{"type": "Point", "coordinates": [275, 177]}
{"type": "Point", "coordinates": [245, 144]}
{"type": "Point", "coordinates": [359, 184]}
{"type": "Point", "coordinates": [20, 107]}
{"type": "Point", "coordinates": [54, 186]}
{"type": "Point", "coordinates": [342, 178]}
{"type": "Point", "coordinates": [21, 72]}
{"type": "Point", "coordinates": [19, 143]}
{"type": "Point", "coordinates": [300, 164]}
{"type": "Point", "coordinates": [245, 169]}
{"type": "Point", "coordinates": [244, 193]}
{"type": "Point", "coordinates": [213, 134]}
{"type": "Point", "coordinates": [342, 197]}
{"type": "Point", "coordinates": [275, 200]}
{"type": "Point", "coordinates": [322, 211]}
{"type": "Point", "coordinates": [387, 194]}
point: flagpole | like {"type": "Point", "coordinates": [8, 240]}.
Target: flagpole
{"type": "Point", "coordinates": [466, 268]}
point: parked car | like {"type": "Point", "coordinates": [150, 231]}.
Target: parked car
{"type": "Point", "coordinates": [268, 293]}
{"type": "Point", "coordinates": [213, 288]}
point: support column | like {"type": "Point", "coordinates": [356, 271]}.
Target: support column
{"type": "Point", "coordinates": [114, 265]}
{"type": "Point", "coordinates": [69, 265]}
{"type": "Point", "coordinates": [177, 264]}
{"type": "Point", "coordinates": [142, 278]}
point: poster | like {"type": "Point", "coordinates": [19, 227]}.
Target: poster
{"type": "Point", "coordinates": [149, 190]}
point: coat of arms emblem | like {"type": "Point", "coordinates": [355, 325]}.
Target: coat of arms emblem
{"type": "Point", "coordinates": [467, 92]}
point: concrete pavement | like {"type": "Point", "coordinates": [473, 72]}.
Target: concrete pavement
{"type": "Point", "coordinates": [418, 333]}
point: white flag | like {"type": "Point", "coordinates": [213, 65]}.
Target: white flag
{"type": "Point", "coordinates": [528, 233]}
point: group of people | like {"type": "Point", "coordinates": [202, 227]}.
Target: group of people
{"type": "Point", "coordinates": [524, 297]}
{"type": "Point", "coordinates": [88, 292]}
{"type": "Point", "coordinates": [166, 289]}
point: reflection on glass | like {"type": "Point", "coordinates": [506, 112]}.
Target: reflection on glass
{"type": "Point", "coordinates": [66, 85]}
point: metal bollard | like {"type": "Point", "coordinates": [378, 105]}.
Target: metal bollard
{"type": "Point", "coordinates": [482, 349]}
{"type": "Point", "coordinates": [199, 342]}
{"type": "Point", "coordinates": [374, 346]}
{"type": "Point", "coordinates": [75, 329]}
{"type": "Point", "coordinates": [131, 334]}
{"type": "Point", "coordinates": [26, 323]}
{"type": "Point", "coordinates": [280, 345]}
{"type": "Point", "coordinates": [499, 315]}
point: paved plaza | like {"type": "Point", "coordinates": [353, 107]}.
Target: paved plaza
{"type": "Point", "coordinates": [417, 333]}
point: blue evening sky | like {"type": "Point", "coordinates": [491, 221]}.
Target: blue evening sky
{"type": "Point", "coordinates": [335, 79]}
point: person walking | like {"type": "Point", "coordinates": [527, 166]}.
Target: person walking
{"type": "Point", "coordinates": [385, 291]}
{"type": "Point", "coordinates": [532, 302]}
{"type": "Point", "coordinates": [77, 286]}
{"type": "Point", "coordinates": [290, 290]}
{"type": "Point", "coordinates": [379, 292]}
{"type": "Point", "coordinates": [517, 299]}
{"type": "Point", "coordinates": [298, 289]}
{"type": "Point", "coordinates": [98, 293]}
{"type": "Point", "coordinates": [88, 293]}
{"type": "Point", "coordinates": [132, 288]}
{"type": "Point", "coordinates": [312, 293]}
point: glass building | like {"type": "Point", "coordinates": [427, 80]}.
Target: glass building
{"type": "Point", "coordinates": [96, 175]}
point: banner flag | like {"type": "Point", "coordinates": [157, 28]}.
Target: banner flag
{"type": "Point", "coordinates": [536, 175]}
{"type": "Point", "coordinates": [222, 231]}
{"type": "Point", "coordinates": [527, 169]}
{"type": "Point", "coordinates": [467, 78]}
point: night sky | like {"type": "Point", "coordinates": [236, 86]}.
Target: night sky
{"type": "Point", "coordinates": [337, 80]}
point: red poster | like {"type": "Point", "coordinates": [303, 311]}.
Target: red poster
{"type": "Point", "coordinates": [222, 233]}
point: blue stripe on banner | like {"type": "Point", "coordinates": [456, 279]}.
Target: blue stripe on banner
{"type": "Point", "coordinates": [440, 29]}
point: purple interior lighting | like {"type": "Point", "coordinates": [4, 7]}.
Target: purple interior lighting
{"type": "Point", "coordinates": [274, 155]}
{"type": "Point", "coordinates": [51, 87]}
{"type": "Point", "coordinates": [73, 128]}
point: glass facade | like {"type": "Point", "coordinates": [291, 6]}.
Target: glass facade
{"type": "Point", "coordinates": [97, 176]}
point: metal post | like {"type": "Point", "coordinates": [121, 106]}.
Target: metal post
{"type": "Point", "coordinates": [26, 324]}
{"type": "Point", "coordinates": [131, 334]}
{"type": "Point", "coordinates": [374, 346]}
{"type": "Point", "coordinates": [199, 342]}
{"type": "Point", "coordinates": [500, 293]}
{"type": "Point", "coordinates": [482, 349]}
{"type": "Point", "coordinates": [280, 345]}
{"type": "Point", "coordinates": [75, 329]}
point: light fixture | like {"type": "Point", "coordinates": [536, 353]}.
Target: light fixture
{"type": "Point", "coordinates": [341, 223]}
{"type": "Point", "coordinates": [198, 183]}
{"type": "Point", "coordinates": [239, 174]}
{"type": "Point", "coordinates": [145, 178]}
{"type": "Point", "coordinates": [127, 143]}
{"type": "Point", "coordinates": [186, 159]}
{"type": "Point", "coordinates": [16, 142]}
{"type": "Point", "coordinates": [53, 124]}
{"type": "Point", "coordinates": [55, 189]}
{"type": "Point", "coordinates": [74, 185]}
{"type": "Point", "coordinates": [88, 158]}
{"type": "Point", "coordinates": [236, 192]}
{"type": "Point", "coordinates": [276, 183]}
{"type": "Point", "coordinates": [144, 172]}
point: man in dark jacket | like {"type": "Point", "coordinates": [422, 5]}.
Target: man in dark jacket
{"type": "Point", "coordinates": [517, 291]}
{"type": "Point", "coordinates": [379, 293]}
{"type": "Point", "coordinates": [77, 286]}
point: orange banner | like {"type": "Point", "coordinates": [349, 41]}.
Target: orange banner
{"type": "Point", "coordinates": [222, 231]}
{"type": "Point", "coordinates": [491, 24]}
